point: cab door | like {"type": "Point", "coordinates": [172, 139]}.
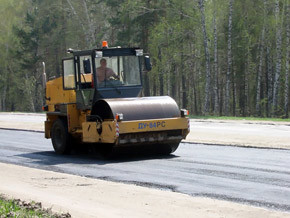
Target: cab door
{"type": "Point", "coordinates": [85, 82]}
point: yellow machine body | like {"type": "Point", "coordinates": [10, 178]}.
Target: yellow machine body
{"type": "Point", "coordinates": [62, 104]}
{"type": "Point", "coordinates": [82, 108]}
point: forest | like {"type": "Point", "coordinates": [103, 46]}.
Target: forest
{"type": "Point", "coordinates": [214, 57]}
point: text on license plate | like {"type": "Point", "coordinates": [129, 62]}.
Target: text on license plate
{"type": "Point", "coordinates": [151, 125]}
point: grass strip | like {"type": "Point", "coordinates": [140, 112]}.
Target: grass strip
{"type": "Point", "coordinates": [18, 208]}
{"type": "Point", "coordinates": [240, 118]}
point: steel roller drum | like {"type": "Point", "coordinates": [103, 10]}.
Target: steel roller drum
{"type": "Point", "coordinates": [144, 108]}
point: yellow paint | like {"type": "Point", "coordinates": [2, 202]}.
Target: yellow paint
{"type": "Point", "coordinates": [73, 117]}
{"type": "Point", "coordinates": [78, 126]}
{"type": "Point", "coordinates": [109, 132]}
{"type": "Point", "coordinates": [91, 135]}
{"type": "Point", "coordinates": [152, 125]}
{"type": "Point", "coordinates": [47, 127]}
{"type": "Point", "coordinates": [57, 95]}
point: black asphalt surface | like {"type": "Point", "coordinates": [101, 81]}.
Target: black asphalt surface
{"type": "Point", "coordinates": [259, 177]}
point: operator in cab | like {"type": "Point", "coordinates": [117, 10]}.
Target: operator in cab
{"type": "Point", "coordinates": [104, 72]}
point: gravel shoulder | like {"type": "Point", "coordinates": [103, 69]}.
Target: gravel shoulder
{"type": "Point", "coordinates": [86, 197]}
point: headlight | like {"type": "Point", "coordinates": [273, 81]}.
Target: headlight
{"type": "Point", "coordinates": [139, 52]}
{"type": "Point", "coordinates": [99, 54]}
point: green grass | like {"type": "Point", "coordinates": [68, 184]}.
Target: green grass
{"type": "Point", "coordinates": [11, 208]}
{"type": "Point", "coordinates": [17, 208]}
{"type": "Point", "coordinates": [240, 118]}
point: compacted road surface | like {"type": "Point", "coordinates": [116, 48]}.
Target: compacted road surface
{"type": "Point", "coordinates": [259, 177]}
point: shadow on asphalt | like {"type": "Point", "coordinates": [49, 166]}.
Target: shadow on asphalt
{"type": "Point", "coordinates": [90, 157]}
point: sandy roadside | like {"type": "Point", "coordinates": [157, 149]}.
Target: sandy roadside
{"type": "Point", "coordinates": [22, 121]}
{"type": "Point", "coordinates": [263, 134]}
{"type": "Point", "coordinates": [85, 197]}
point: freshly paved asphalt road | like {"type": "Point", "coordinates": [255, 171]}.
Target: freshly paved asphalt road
{"type": "Point", "coordinates": [259, 177]}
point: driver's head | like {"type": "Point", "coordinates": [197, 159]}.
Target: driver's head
{"type": "Point", "coordinates": [103, 62]}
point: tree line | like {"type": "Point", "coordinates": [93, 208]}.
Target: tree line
{"type": "Point", "coordinates": [226, 57]}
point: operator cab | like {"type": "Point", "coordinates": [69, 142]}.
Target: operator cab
{"type": "Point", "coordinates": [104, 73]}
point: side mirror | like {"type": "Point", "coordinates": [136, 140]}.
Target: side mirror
{"type": "Point", "coordinates": [87, 66]}
{"type": "Point", "coordinates": [147, 62]}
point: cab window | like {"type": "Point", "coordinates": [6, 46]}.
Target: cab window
{"type": "Point", "coordinates": [68, 74]}
{"type": "Point", "coordinates": [127, 69]}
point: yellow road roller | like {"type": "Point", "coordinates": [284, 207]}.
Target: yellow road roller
{"type": "Point", "coordinates": [97, 101]}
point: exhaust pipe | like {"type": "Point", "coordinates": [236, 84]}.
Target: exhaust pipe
{"type": "Point", "coordinates": [45, 107]}
{"type": "Point", "coordinates": [44, 76]}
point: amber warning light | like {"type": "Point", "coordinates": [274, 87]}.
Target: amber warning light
{"type": "Point", "coordinates": [105, 44]}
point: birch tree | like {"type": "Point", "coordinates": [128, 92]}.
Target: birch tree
{"type": "Point", "coordinates": [91, 31]}
{"type": "Point", "coordinates": [216, 73]}
{"type": "Point", "coordinates": [229, 59]}
{"type": "Point", "coordinates": [207, 58]}
{"type": "Point", "coordinates": [269, 83]}
{"type": "Point", "coordinates": [278, 58]}
{"type": "Point", "coordinates": [80, 20]}
{"type": "Point", "coordinates": [287, 50]}
{"type": "Point", "coordinates": [261, 57]}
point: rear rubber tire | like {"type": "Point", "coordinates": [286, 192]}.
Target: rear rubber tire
{"type": "Point", "coordinates": [169, 148]}
{"type": "Point", "coordinates": [60, 137]}
{"type": "Point", "coordinates": [106, 151]}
